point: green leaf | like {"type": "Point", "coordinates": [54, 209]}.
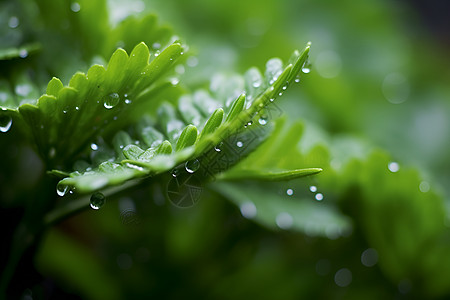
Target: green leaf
{"type": "Point", "coordinates": [159, 157]}
{"type": "Point", "coordinates": [66, 120]}
{"type": "Point", "coordinates": [263, 203]}
{"type": "Point", "coordinates": [187, 137]}
{"type": "Point", "coordinates": [212, 124]}
{"type": "Point", "coordinates": [19, 53]}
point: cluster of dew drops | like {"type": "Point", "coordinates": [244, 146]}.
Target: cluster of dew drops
{"type": "Point", "coordinates": [97, 199]}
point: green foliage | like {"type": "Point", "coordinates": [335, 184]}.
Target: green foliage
{"type": "Point", "coordinates": [148, 114]}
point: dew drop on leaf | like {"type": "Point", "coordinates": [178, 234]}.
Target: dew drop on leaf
{"type": "Point", "coordinates": [23, 53]}
{"type": "Point", "coordinates": [62, 189]}
{"type": "Point", "coordinates": [319, 197]}
{"type": "Point", "coordinates": [97, 200]}
{"type": "Point", "coordinates": [75, 7]}
{"type": "Point", "coordinates": [239, 144]}
{"type": "Point", "coordinates": [313, 188]}
{"type": "Point", "coordinates": [393, 167]}
{"type": "Point", "coordinates": [218, 147]}
{"type": "Point", "coordinates": [94, 146]}
{"type": "Point", "coordinates": [289, 192]}
{"type": "Point", "coordinates": [306, 67]}
{"type": "Point", "coordinates": [111, 100]}
{"type": "Point", "coordinates": [262, 120]}
{"type": "Point", "coordinates": [5, 123]}
{"type": "Point", "coordinates": [248, 210]}
{"type": "Point", "coordinates": [192, 166]}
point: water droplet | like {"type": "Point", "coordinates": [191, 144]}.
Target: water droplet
{"type": "Point", "coordinates": [97, 200]}
{"type": "Point", "coordinates": [156, 45]}
{"type": "Point", "coordinates": [239, 144]}
{"type": "Point", "coordinates": [23, 53]}
{"type": "Point", "coordinates": [134, 166]}
{"type": "Point", "coordinates": [111, 100]}
{"type": "Point", "coordinates": [262, 120]}
{"type": "Point", "coordinates": [192, 166]}
{"type": "Point", "coordinates": [127, 101]}
{"type": "Point", "coordinates": [75, 7]}
{"type": "Point", "coordinates": [289, 192]}
{"type": "Point", "coordinates": [174, 173]}
{"type": "Point", "coordinates": [284, 220]}
{"type": "Point", "coordinates": [280, 94]}
{"type": "Point", "coordinates": [94, 146]}
{"type": "Point", "coordinates": [284, 88]}
{"type": "Point", "coordinates": [306, 67]}
{"type": "Point", "coordinates": [248, 210]}
{"type": "Point", "coordinates": [369, 257]}
{"type": "Point", "coordinates": [424, 186]}
{"type": "Point", "coordinates": [174, 81]}
{"type": "Point", "coordinates": [343, 277]}
{"type": "Point", "coordinates": [5, 123]}
{"type": "Point", "coordinates": [13, 22]}
{"type": "Point", "coordinates": [313, 188]}
{"type": "Point", "coordinates": [218, 147]}
{"type": "Point", "coordinates": [272, 99]}
{"type": "Point", "coordinates": [62, 189]}
{"type": "Point", "coordinates": [297, 79]}
{"type": "Point", "coordinates": [156, 53]}
{"type": "Point", "coordinates": [77, 108]}
{"type": "Point", "coordinates": [65, 110]}
{"type": "Point", "coordinates": [393, 167]}
{"type": "Point", "coordinates": [256, 84]}
{"type": "Point", "coordinates": [319, 197]}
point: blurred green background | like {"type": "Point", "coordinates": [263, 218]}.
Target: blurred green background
{"type": "Point", "coordinates": [377, 93]}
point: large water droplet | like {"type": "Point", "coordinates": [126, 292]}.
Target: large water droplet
{"type": "Point", "coordinates": [248, 210]}
{"type": "Point", "coordinates": [62, 189]}
{"type": "Point", "coordinates": [290, 192]}
{"type": "Point", "coordinates": [313, 188]}
{"type": "Point", "coordinates": [97, 200]}
{"type": "Point", "coordinates": [75, 7]}
{"type": "Point", "coordinates": [239, 144]}
{"type": "Point", "coordinates": [262, 120]}
{"type": "Point", "coordinates": [306, 67]}
{"type": "Point", "coordinates": [111, 100]}
{"type": "Point", "coordinates": [5, 123]}
{"type": "Point", "coordinates": [393, 167]}
{"type": "Point", "coordinates": [319, 196]}
{"type": "Point", "coordinates": [192, 166]}
{"type": "Point", "coordinates": [23, 53]}
{"type": "Point", "coordinates": [94, 146]}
